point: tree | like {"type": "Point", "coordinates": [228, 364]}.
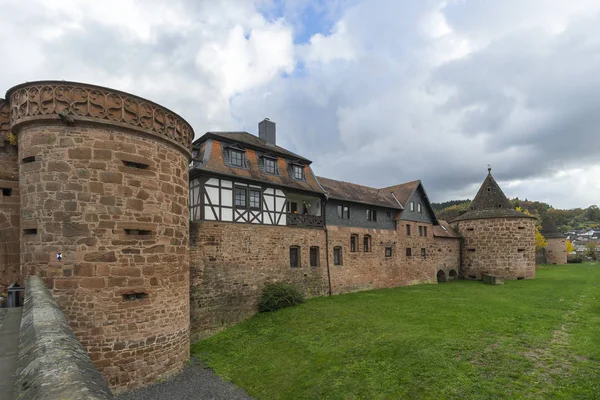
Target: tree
{"type": "Point", "coordinates": [590, 250]}
{"type": "Point", "coordinates": [570, 247]}
{"type": "Point", "coordinates": [540, 240]}
{"type": "Point", "coordinates": [593, 213]}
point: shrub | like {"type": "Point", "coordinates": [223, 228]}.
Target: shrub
{"type": "Point", "coordinates": [574, 260]}
{"type": "Point", "coordinates": [279, 295]}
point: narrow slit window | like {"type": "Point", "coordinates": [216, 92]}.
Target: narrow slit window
{"type": "Point", "coordinates": [408, 252]}
{"type": "Point", "coordinates": [337, 256]}
{"type": "Point", "coordinates": [407, 230]}
{"type": "Point", "coordinates": [521, 227]}
{"type": "Point", "coordinates": [366, 243]}
{"type": "Point", "coordinates": [133, 164]}
{"type": "Point", "coordinates": [29, 159]}
{"type": "Point", "coordinates": [294, 256]}
{"type": "Point", "coordinates": [6, 192]}
{"type": "Point", "coordinates": [423, 252]}
{"type": "Point", "coordinates": [142, 232]}
{"type": "Point", "coordinates": [353, 243]}
{"type": "Point", "coordinates": [520, 250]}
{"type": "Point", "coordinates": [30, 231]}
{"type": "Point", "coordinates": [314, 256]}
{"type": "Point", "coordinates": [135, 296]}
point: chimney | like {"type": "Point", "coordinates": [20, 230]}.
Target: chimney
{"type": "Point", "coordinates": [266, 131]}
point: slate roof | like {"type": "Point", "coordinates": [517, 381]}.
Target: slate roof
{"type": "Point", "coordinates": [444, 230]}
{"type": "Point", "coordinates": [210, 158]}
{"type": "Point", "coordinates": [490, 202]}
{"type": "Point", "coordinates": [403, 191]}
{"type": "Point", "coordinates": [549, 229]}
{"type": "Point", "coordinates": [250, 141]}
{"type": "Point", "coordinates": [340, 190]}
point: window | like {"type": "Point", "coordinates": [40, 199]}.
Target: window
{"type": "Point", "coordinates": [270, 165]}
{"type": "Point", "coordinates": [407, 230]}
{"type": "Point", "coordinates": [236, 158]}
{"type": "Point", "coordinates": [337, 256]}
{"type": "Point", "coordinates": [254, 199]}
{"type": "Point", "coordinates": [419, 208]}
{"type": "Point", "coordinates": [408, 252]}
{"type": "Point", "coordinates": [294, 256]}
{"type": "Point", "coordinates": [6, 192]}
{"type": "Point", "coordinates": [423, 252]}
{"type": "Point", "coordinates": [353, 243]}
{"type": "Point", "coordinates": [343, 212]}
{"type": "Point", "coordinates": [314, 256]}
{"type": "Point", "coordinates": [412, 206]}
{"type": "Point", "coordinates": [298, 172]}
{"type": "Point", "coordinates": [424, 231]}
{"type": "Point", "coordinates": [389, 215]}
{"type": "Point", "coordinates": [420, 231]}
{"type": "Point", "coordinates": [240, 197]}
{"type": "Point", "coordinates": [367, 243]}
{"type": "Point", "coordinates": [371, 215]}
{"type": "Point", "coordinates": [388, 251]}
{"type": "Point", "coordinates": [292, 207]}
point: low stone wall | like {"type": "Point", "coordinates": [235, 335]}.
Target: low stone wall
{"type": "Point", "coordinates": [52, 363]}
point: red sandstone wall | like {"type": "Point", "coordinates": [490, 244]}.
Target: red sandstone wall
{"type": "Point", "coordinates": [499, 246]}
{"type": "Point", "coordinates": [9, 205]}
{"type": "Point", "coordinates": [446, 256]}
{"type": "Point", "coordinates": [556, 251]}
{"type": "Point", "coordinates": [81, 198]}
{"type": "Point", "coordinates": [230, 263]}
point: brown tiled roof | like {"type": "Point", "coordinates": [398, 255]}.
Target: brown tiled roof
{"type": "Point", "coordinates": [212, 161]}
{"type": "Point", "coordinates": [403, 191]}
{"type": "Point", "coordinates": [490, 202]}
{"type": "Point", "coordinates": [347, 191]}
{"type": "Point", "coordinates": [444, 230]}
{"type": "Point", "coordinates": [549, 229]}
{"type": "Point", "coordinates": [252, 141]}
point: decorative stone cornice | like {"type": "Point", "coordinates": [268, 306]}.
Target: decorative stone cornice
{"type": "Point", "coordinates": [83, 102]}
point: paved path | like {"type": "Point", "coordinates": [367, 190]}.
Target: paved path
{"type": "Point", "coordinates": [195, 382]}
{"type": "Point", "coordinates": [10, 322]}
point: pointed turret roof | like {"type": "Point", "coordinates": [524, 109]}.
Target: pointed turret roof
{"type": "Point", "coordinates": [549, 229]}
{"type": "Point", "coordinates": [490, 202]}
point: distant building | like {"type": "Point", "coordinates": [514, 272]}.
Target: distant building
{"type": "Point", "coordinates": [556, 250]}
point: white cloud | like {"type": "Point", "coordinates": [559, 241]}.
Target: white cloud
{"type": "Point", "coordinates": [380, 92]}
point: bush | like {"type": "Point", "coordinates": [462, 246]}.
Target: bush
{"type": "Point", "coordinates": [574, 260]}
{"type": "Point", "coordinates": [276, 296]}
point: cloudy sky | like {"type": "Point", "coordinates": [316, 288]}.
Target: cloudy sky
{"type": "Point", "coordinates": [375, 92]}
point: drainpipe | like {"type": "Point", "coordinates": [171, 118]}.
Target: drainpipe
{"type": "Point", "coordinates": [326, 243]}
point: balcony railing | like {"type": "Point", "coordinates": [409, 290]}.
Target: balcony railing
{"type": "Point", "coordinates": [304, 220]}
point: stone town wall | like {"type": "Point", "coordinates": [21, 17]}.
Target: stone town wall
{"type": "Point", "coordinates": [504, 247]}
{"type": "Point", "coordinates": [230, 263]}
{"type": "Point", "coordinates": [556, 251]}
{"type": "Point", "coordinates": [104, 181]}
{"type": "Point", "coordinates": [446, 256]}
{"type": "Point", "coordinates": [419, 268]}
{"type": "Point", "coordinates": [362, 270]}
{"type": "Point", "coordinates": [9, 204]}
{"type": "Point", "coordinates": [52, 364]}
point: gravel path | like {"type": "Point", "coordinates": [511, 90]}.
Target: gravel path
{"type": "Point", "coordinates": [195, 382]}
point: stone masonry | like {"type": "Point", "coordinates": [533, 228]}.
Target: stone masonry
{"type": "Point", "coordinates": [556, 251]}
{"type": "Point", "coordinates": [104, 182]}
{"type": "Point", "coordinates": [504, 247]}
{"type": "Point", "coordinates": [9, 204]}
{"type": "Point", "coordinates": [230, 263]}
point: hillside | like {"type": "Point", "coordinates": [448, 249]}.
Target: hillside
{"type": "Point", "coordinates": [566, 220]}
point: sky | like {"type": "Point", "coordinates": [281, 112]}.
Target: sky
{"type": "Point", "coordinates": [375, 92]}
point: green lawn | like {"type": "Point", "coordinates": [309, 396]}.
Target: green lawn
{"type": "Point", "coordinates": [459, 340]}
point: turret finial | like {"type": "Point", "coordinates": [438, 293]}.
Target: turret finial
{"type": "Point", "coordinates": [489, 169]}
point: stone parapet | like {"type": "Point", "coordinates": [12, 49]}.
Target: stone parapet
{"type": "Point", "coordinates": [73, 101]}
{"type": "Point", "coordinates": [52, 363]}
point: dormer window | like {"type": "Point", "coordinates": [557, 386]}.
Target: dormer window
{"type": "Point", "coordinates": [412, 206]}
{"type": "Point", "coordinates": [298, 172]}
{"type": "Point", "coordinates": [236, 158]}
{"type": "Point", "coordinates": [419, 208]}
{"type": "Point", "coordinates": [270, 165]}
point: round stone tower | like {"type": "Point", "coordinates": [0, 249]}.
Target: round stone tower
{"type": "Point", "coordinates": [556, 250]}
{"type": "Point", "coordinates": [497, 239]}
{"type": "Point", "coordinates": [104, 220]}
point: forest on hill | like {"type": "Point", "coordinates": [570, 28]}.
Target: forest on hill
{"type": "Point", "coordinates": [566, 220]}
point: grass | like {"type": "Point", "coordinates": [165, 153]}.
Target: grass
{"type": "Point", "coordinates": [461, 340]}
